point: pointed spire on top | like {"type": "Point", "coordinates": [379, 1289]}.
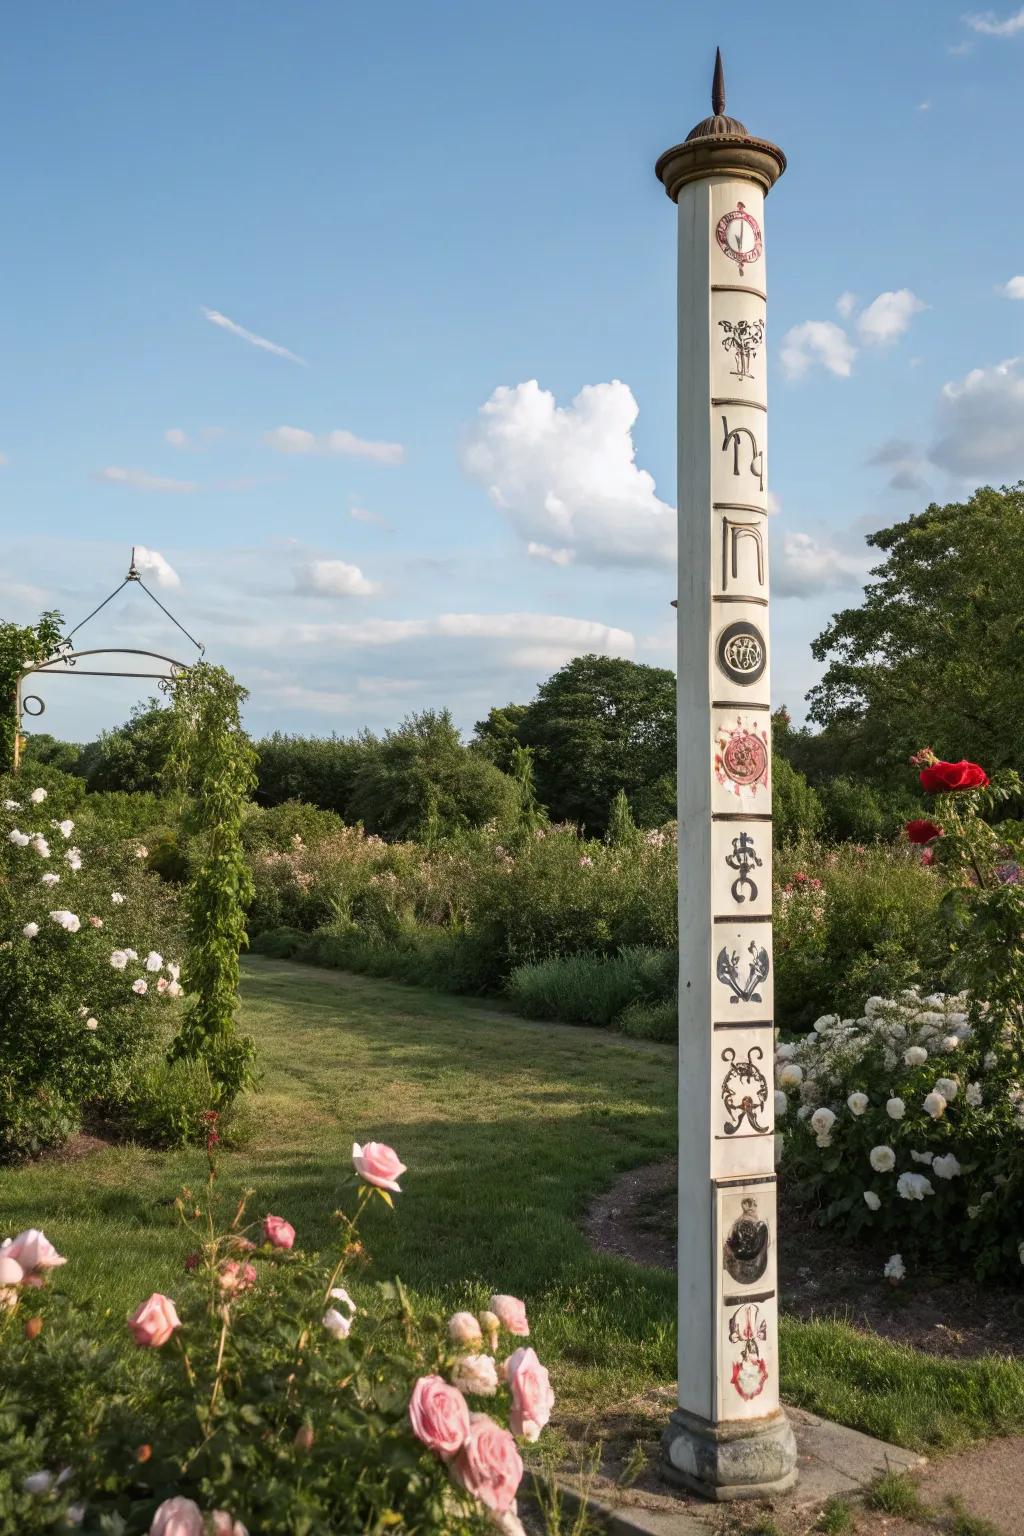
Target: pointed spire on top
{"type": "Point", "coordinates": [718, 86]}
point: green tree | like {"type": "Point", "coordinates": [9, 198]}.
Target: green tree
{"type": "Point", "coordinates": [132, 757]}
{"type": "Point", "coordinates": [41, 750]}
{"type": "Point", "coordinates": [530, 815]}
{"type": "Point", "coordinates": [599, 725]}
{"type": "Point", "coordinates": [20, 646]}
{"type": "Point", "coordinates": [621, 832]}
{"type": "Point", "coordinates": [318, 769]}
{"type": "Point", "coordinates": [420, 781]}
{"type": "Point", "coordinates": [796, 809]}
{"type": "Point", "coordinates": [497, 737]}
{"type": "Point", "coordinates": [935, 653]}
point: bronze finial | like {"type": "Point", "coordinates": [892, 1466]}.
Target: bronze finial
{"type": "Point", "coordinates": [718, 86]}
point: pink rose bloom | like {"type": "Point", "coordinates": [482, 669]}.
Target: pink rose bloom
{"type": "Point", "coordinates": [439, 1415]}
{"type": "Point", "coordinates": [234, 1276]}
{"type": "Point", "coordinates": [279, 1232]}
{"type": "Point", "coordinates": [223, 1525]}
{"type": "Point", "coordinates": [377, 1164]}
{"type": "Point", "coordinates": [33, 1250]}
{"type": "Point", "coordinates": [151, 1326]}
{"type": "Point", "coordinates": [11, 1272]}
{"type": "Point", "coordinates": [511, 1314]}
{"type": "Point", "coordinates": [177, 1517]}
{"type": "Point", "coordinates": [532, 1397]}
{"type": "Point", "coordinates": [489, 1466]}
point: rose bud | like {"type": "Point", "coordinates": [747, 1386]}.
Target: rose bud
{"type": "Point", "coordinates": [490, 1325]}
{"type": "Point", "coordinates": [154, 1322]}
{"type": "Point", "coordinates": [463, 1328]}
{"type": "Point", "coordinates": [33, 1327]}
{"type": "Point", "coordinates": [143, 1452]}
{"type": "Point", "coordinates": [278, 1232]}
{"type": "Point", "coordinates": [304, 1437]}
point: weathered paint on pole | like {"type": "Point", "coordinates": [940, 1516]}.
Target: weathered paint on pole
{"type": "Point", "coordinates": [728, 1437]}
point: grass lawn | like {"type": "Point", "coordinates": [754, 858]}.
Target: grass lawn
{"type": "Point", "coordinates": [508, 1128]}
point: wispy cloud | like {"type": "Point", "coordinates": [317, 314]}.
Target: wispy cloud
{"type": "Point", "coordinates": [804, 568]}
{"type": "Point", "coordinates": [988, 23]}
{"type": "Point", "coordinates": [333, 578]}
{"type": "Point", "coordinates": [903, 462]}
{"type": "Point", "coordinates": [216, 318]}
{"type": "Point", "coordinates": [187, 442]}
{"type": "Point", "coordinates": [142, 480]}
{"type": "Point", "coordinates": [364, 515]}
{"type": "Point", "coordinates": [340, 441]}
{"type": "Point", "coordinates": [545, 552]}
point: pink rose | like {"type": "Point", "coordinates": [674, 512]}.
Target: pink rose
{"type": "Point", "coordinates": [439, 1415]}
{"type": "Point", "coordinates": [223, 1525]}
{"type": "Point", "coordinates": [532, 1397]}
{"type": "Point", "coordinates": [11, 1272]}
{"type": "Point", "coordinates": [279, 1232]}
{"type": "Point", "coordinates": [489, 1466]}
{"type": "Point", "coordinates": [152, 1325]}
{"type": "Point", "coordinates": [233, 1277]}
{"type": "Point", "coordinates": [33, 1250]}
{"type": "Point", "coordinates": [377, 1164]}
{"type": "Point", "coordinates": [177, 1517]}
{"type": "Point", "coordinates": [511, 1314]}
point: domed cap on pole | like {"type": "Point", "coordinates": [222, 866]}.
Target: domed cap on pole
{"type": "Point", "coordinates": [719, 146]}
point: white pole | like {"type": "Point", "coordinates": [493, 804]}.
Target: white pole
{"type": "Point", "coordinates": [728, 1437]}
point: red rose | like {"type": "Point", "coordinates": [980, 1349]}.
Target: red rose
{"type": "Point", "coordinates": [942, 776]}
{"type": "Point", "coordinates": [922, 831]}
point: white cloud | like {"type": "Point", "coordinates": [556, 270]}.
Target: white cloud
{"type": "Point", "coordinates": [989, 23]}
{"type": "Point", "coordinates": [904, 462]}
{"type": "Point", "coordinates": [185, 443]}
{"type": "Point", "coordinates": [340, 441]}
{"type": "Point", "coordinates": [566, 476]}
{"type": "Point", "coordinates": [774, 504]}
{"type": "Point", "coordinates": [216, 318]}
{"type": "Point", "coordinates": [804, 568]}
{"type": "Point", "coordinates": [817, 341]}
{"type": "Point", "coordinates": [545, 552]}
{"type": "Point", "coordinates": [846, 303]}
{"type": "Point", "coordinates": [142, 480]}
{"type": "Point", "coordinates": [924, 106]}
{"type": "Point", "coordinates": [334, 578]}
{"type": "Point", "coordinates": [888, 316]}
{"type": "Point", "coordinates": [363, 515]}
{"type": "Point", "coordinates": [150, 562]}
{"type": "Point", "coordinates": [1014, 289]}
{"type": "Point", "coordinates": [980, 423]}
{"type": "Point", "coordinates": [571, 636]}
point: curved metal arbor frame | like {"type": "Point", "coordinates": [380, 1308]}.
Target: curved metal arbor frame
{"type": "Point", "coordinates": [65, 660]}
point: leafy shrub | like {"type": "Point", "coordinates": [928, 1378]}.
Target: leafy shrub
{"type": "Point", "coordinates": [262, 1389]}
{"type": "Point", "coordinates": [73, 1024]}
{"type": "Point", "coordinates": [652, 1021]}
{"type": "Point", "coordinates": [166, 1104]}
{"type": "Point", "coordinates": [291, 824]}
{"type": "Point", "coordinates": [851, 921]}
{"type": "Point", "coordinates": [318, 770]}
{"type": "Point", "coordinates": [796, 808]}
{"type": "Point", "coordinates": [592, 989]}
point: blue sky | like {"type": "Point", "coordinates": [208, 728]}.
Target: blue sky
{"type": "Point", "coordinates": [420, 206]}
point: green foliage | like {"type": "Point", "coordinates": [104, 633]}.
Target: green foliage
{"type": "Point", "coordinates": [852, 922]}
{"type": "Point", "coordinates": [497, 737]}
{"type": "Point", "coordinates": [133, 757]}
{"type": "Point", "coordinates": [599, 725]}
{"type": "Point", "coordinates": [935, 652]}
{"type": "Point", "coordinates": [652, 1021]}
{"type": "Point", "coordinates": [253, 1406]}
{"type": "Point", "coordinates": [319, 770]}
{"type": "Point", "coordinates": [622, 829]}
{"type": "Point", "coordinates": [895, 1494]}
{"type": "Point", "coordinates": [288, 825]}
{"type": "Point", "coordinates": [167, 1103]}
{"type": "Point", "coordinates": [72, 1031]}
{"type": "Point", "coordinates": [796, 808]}
{"type": "Point", "coordinates": [20, 646]}
{"type": "Point", "coordinates": [213, 762]}
{"type": "Point", "coordinates": [420, 781]}
{"type": "Point", "coordinates": [836, 1519]}
{"type": "Point", "coordinates": [593, 989]}
{"type": "Point", "coordinates": [530, 815]}
{"type": "Point", "coordinates": [41, 750]}
{"type": "Point", "coordinates": [851, 812]}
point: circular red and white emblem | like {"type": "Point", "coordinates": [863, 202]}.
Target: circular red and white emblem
{"type": "Point", "coordinates": [739, 237]}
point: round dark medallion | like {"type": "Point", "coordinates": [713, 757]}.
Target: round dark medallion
{"type": "Point", "coordinates": [742, 652]}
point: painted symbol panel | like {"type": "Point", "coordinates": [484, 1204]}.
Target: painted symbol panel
{"type": "Point", "coordinates": [743, 984]}
{"type": "Point", "coordinates": [738, 344]}
{"type": "Point", "coordinates": [746, 1302]}
{"type": "Point", "coordinates": [739, 553]}
{"type": "Point", "coordinates": [737, 235]}
{"type": "Point", "coordinates": [741, 869]}
{"type": "Point", "coordinates": [741, 761]}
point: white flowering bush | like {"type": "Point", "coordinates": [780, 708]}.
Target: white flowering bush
{"type": "Point", "coordinates": [272, 1391]}
{"type": "Point", "coordinates": [909, 1121]}
{"type": "Point", "coordinates": [88, 940]}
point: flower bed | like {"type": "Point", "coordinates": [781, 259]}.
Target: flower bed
{"type": "Point", "coordinates": [272, 1391]}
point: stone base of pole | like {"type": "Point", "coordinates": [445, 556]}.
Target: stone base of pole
{"type": "Point", "coordinates": [741, 1459]}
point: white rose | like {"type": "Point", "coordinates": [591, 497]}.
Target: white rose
{"type": "Point", "coordinates": [140, 987]}
{"type": "Point", "coordinates": [476, 1374]}
{"type": "Point", "coordinates": [991, 1060]}
{"type": "Point", "coordinates": [935, 1105]}
{"type": "Point", "coordinates": [37, 796]}
{"type": "Point", "coordinates": [946, 1167]}
{"type": "Point", "coordinates": [822, 1122]}
{"type": "Point", "coordinates": [92, 1023]}
{"type": "Point", "coordinates": [41, 846]}
{"type": "Point", "coordinates": [781, 1104]}
{"type": "Point", "coordinates": [117, 898]}
{"type": "Point", "coordinates": [882, 1159]}
{"type": "Point", "coordinates": [337, 1324]}
{"type": "Point", "coordinates": [463, 1328]}
{"type": "Point", "coordinates": [30, 930]}
{"type": "Point", "coordinates": [65, 827]}
{"type": "Point", "coordinates": [67, 920]}
{"type": "Point", "coordinates": [791, 1076]}
{"type": "Point", "coordinates": [913, 1186]}
{"type": "Point", "coordinates": [19, 839]}
{"type": "Point", "coordinates": [895, 1108]}
{"type": "Point", "coordinates": [871, 1200]}
{"type": "Point", "coordinates": [915, 1056]}
{"type": "Point", "coordinates": [173, 969]}
{"type": "Point", "coordinates": [948, 1087]}
{"type": "Point", "coordinates": [174, 989]}
{"type": "Point", "coordinates": [785, 1052]}
{"type": "Point", "coordinates": [923, 1157]}
{"type": "Point", "coordinates": [154, 961]}
{"type": "Point", "coordinates": [973, 1094]}
{"type": "Point", "coordinates": [73, 858]}
{"type": "Point", "coordinates": [12, 805]}
{"type": "Point", "coordinates": [894, 1270]}
{"type": "Point", "coordinates": [49, 879]}
{"type": "Point", "coordinates": [950, 1042]}
{"type": "Point", "coordinates": [339, 1293]}
{"type": "Point", "coordinates": [857, 1103]}
{"type": "Point", "coordinates": [119, 959]}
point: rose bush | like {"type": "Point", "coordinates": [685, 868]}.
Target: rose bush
{"type": "Point", "coordinates": [260, 1395]}
{"type": "Point", "coordinates": [85, 991]}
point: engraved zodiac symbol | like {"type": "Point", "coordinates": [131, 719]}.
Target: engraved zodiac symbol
{"type": "Point", "coordinates": [742, 338]}
{"type": "Point", "coordinates": [745, 1251]}
{"type": "Point", "coordinates": [756, 454]}
{"type": "Point", "coordinates": [728, 973]}
{"type": "Point", "coordinates": [732, 533]}
{"type": "Point", "coordinates": [744, 1091]}
{"type": "Point", "coordinates": [743, 859]}
{"type": "Point", "coordinates": [749, 1328]}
